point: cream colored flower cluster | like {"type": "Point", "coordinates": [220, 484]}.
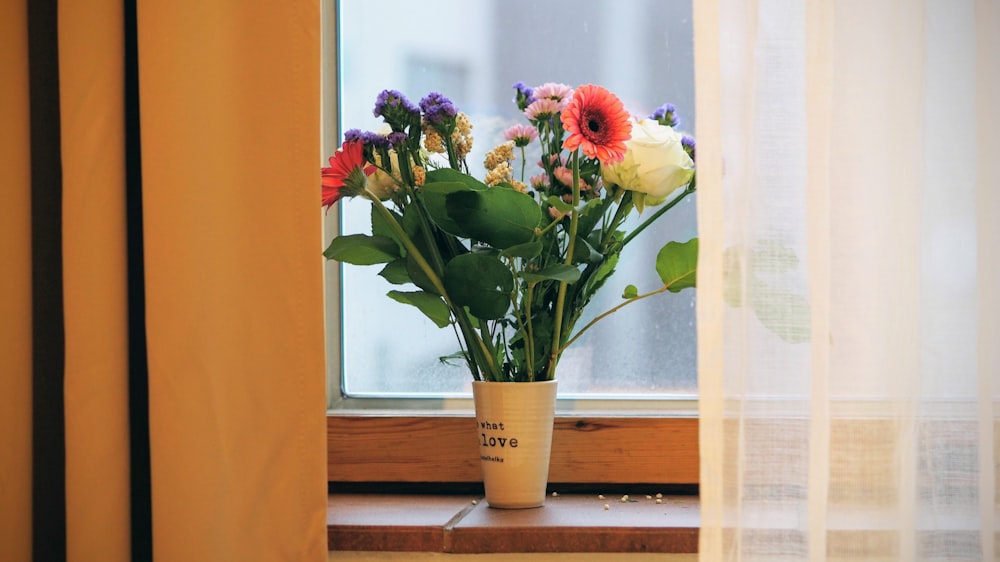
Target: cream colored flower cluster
{"type": "Point", "coordinates": [499, 169]}
{"type": "Point", "coordinates": [461, 138]}
{"type": "Point", "coordinates": [503, 152]}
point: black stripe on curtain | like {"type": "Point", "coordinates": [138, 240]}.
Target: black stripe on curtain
{"type": "Point", "coordinates": [48, 437]}
{"type": "Point", "coordinates": [138, 378]}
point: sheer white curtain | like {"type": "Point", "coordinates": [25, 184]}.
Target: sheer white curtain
{"type": "Point", "coordinates": [849, 287]}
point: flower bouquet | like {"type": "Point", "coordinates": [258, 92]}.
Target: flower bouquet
{"type": "Point", "coordinates": [511, 260]}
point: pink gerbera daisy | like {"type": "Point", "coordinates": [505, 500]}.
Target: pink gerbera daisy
{"type": "Point", "coordinates": [597, 122]}
{"type": "Point", "coordinates": [347, 173]}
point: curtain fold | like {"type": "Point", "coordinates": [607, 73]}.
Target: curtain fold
{"type": "Point", "coordinates": [229, 112]}
{"type": "Point", "coordinates": [850, 389]}
{"type": "Point", "coordinates": [15, 287]}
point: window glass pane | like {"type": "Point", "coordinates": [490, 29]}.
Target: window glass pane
{"type": "Point", "coordinates": [473, 52]}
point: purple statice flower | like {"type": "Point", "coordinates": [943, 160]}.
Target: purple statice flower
{"type": "Point", "coordinates": [396, 138]}
{"type": "Point", "coordinates": [666, 114]}
{"type": "Point", "coordinates": [375, 140]}
{"type": "Point", "coordinates": [688, 144]}
{"type": "Point", "coordinates": [395, 109]}
{"type": "Point", "coordinates": [439, 112]}
{"type": "Point", "coordinates": [524, 96]}
{"type": "Point", "coordinates": [352, 135]}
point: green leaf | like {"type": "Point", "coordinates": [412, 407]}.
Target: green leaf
{"type": "Point", "coordinates": [432, 306]}
{"type": "Point", "coordinates": [456, 358]}
{"type": "Point", "coordinates": [555, 272]}
{"type": "Point", "coordinates": [411, 221]}
{"type": "Point", "coordinates": [630, 292]}
{"type": "Point", "coordinates": [526, 251]}
{"type": "Point", "coordinates": [418, 276]}
{"type": "Point", "coordinates": [395, 272]}
{"type": "Point", "coordinates": [435, 197]}
{"type": "Point", "coordinates": [784, 313]}
{"type": "Point", "coordinates": [590, 214]}
{"type": "Point", "coordinates": [361, 249]}
{"type": "Point", "coordinates": [774, 257]}
{"type": "Point", "coordinates": [583, 252]}
{"type": "Point", "coordinates": [499, 217]}
{"type": "Point", "coordinates": [413, 227]}
{"type": "Point", "coordinates": [480, 282]}
{"type": "Point", "coordinates": [732, 285]}
{"type": "Point", "coordinates": [677, 264]}
{"type": "Point", "coordinates": [450, 175]}
{"type": "Point", "coordinates": [380, 225]}
{"type": "Point", "coordinates": [593, 283]}
{"type": "Point", "coordinates": [434, 193]}
{"type": "Point", "coordinates": [559, 204]}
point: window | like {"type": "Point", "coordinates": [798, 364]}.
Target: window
{"type": "Point", "coordinates": [474, 52]}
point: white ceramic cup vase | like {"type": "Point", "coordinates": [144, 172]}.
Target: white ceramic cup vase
{"type": "Point", "coordinates": [514, 429]}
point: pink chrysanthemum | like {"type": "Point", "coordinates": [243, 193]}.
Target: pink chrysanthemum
{"type": "Point", "coordinates": [522, 135]}
{"type": "Point", "coordinates": [565, 177]}
{"type": "Point", "coordinates": [540, 182]}
{"type": "Point", "coordinates": [347, 173]}
{"type": "Point", "coordinates": [553, 91]}
{"type": "Point", "coordinates": [542, 109]}
{"type": "Point", "coordinates": [597, 122]}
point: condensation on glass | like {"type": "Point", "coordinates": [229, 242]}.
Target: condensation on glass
{"type": "Point", "coordinates": [473, 52]}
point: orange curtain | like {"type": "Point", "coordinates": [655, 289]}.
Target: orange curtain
{"type": "Point", "coordinates": [229, 116]}
{"type": "Point", "coordinates": [230, 96]}
{"type": "Point", "coordinates": [15, 287]}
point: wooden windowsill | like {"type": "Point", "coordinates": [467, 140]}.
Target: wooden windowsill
{"type": "Point", "coordinates": [585, 449]}
{"type": "Point", "coordinates": [466, 524]}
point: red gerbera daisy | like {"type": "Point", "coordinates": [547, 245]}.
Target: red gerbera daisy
{"type": "Point", "coordinates": [596, 120]}
{"type": "Point", "coordinates": [346, 174]}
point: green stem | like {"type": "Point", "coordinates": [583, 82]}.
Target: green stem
{"type": "Point", "coordinates": [621, 212]}
{"type": "Point", "coordinates": [483, 352]}
{"type": "Point", "coordinates": [524, 163]}
{"type": "Point", "coordinates": [552, 224]}
{"type": "Point", "coordinates": [463, 321]}
{"type": "Point", "coordinates": [609, 313]}
{"type": "Point", "coordinates": [529, 340]}
{"type": "Point", "coordinates": [561, 299]}
{"type": "Point", "coordinates": [659, 212]}
{"type": "Point", "coordinates": [407, 243]}
{"type": "Point", "coordinates": [450, 149]}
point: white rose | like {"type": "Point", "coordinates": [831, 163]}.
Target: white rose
{"type": "Point", "coordinates": [655, 162]}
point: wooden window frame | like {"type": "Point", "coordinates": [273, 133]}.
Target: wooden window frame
{"type": "Point", "coordinates": [401, 446]}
